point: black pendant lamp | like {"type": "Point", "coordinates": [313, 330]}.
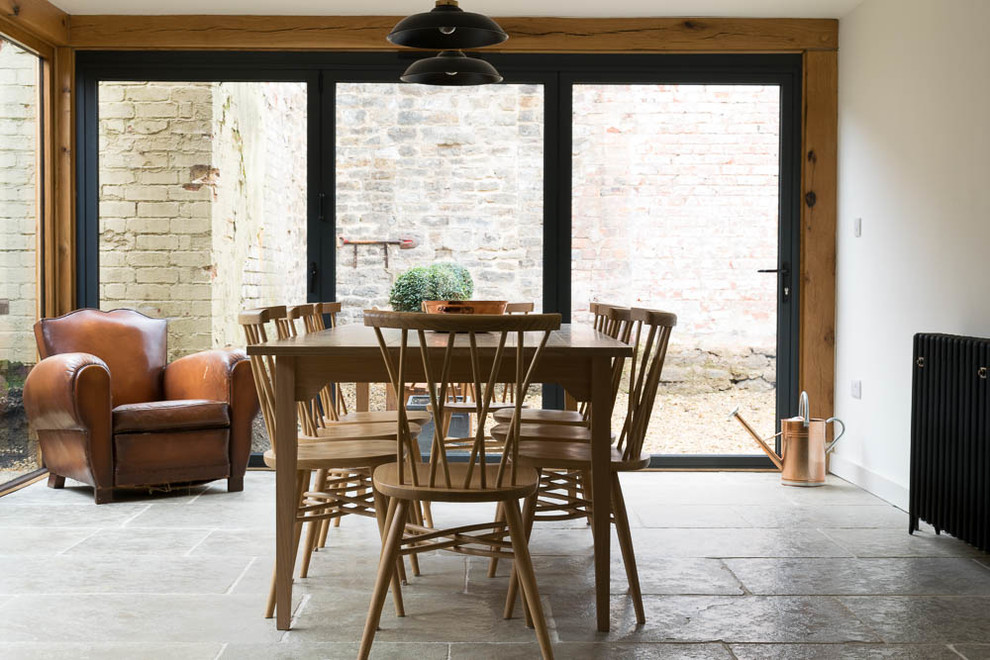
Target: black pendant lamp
{"type": "Point", "coordinates": [451, 68]}
{"type": "Point", "coordinates": [447, 27]}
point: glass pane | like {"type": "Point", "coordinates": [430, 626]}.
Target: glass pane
{"type": "Point", "coordinates": [19, 117]}
{"type": "Point", "coordinates": [459, 171]}
{"type": "Point", "coordinates": [202, 203]}
{"type": "Point", "coordinates": [675, 206]}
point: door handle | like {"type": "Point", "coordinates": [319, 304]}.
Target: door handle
{"type": "Point", "coordinates": [784, 272]}
{"type": "Point", "coordinates": [314, 273]}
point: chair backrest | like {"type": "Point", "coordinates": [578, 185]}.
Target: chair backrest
{"type": "Point", "coordinates": [257, 325]}
{"type": "Point", "coordinates": [329, 404]}
{"type": "Point", "coordinates": [649, 352]}
{"type": "Point", "coordinates": [133, 345]}
{"type": "Point", "coordinates": [519, 307]}
{"type": "Point", "coordinates": [494, 348]}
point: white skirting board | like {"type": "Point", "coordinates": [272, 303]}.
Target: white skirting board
{"type": "Point", "coordinates": [870, 481]}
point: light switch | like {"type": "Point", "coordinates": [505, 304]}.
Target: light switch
{"type": "Point", "coordinates": [858, 227]}
{"type": "Point", "coordinates": [857, 389]}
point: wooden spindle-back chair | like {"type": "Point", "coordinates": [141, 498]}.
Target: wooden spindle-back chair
{"type": "Point", "coordinates": [354, 456]}
{"type": "Point", "coordinates": [438, 349]}
{"type": "Point", "coordinates": [648, 331]}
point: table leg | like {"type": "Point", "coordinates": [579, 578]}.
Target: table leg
{"type": "Point", "coordinates": [601, 420]}
{"type": "Point", "coordinates": [285, 478]}
{"type": "Point", "coordinates": [363, 397]}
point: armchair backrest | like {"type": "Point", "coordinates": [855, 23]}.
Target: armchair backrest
{"type": "Point", "coordinates": [132, 344]}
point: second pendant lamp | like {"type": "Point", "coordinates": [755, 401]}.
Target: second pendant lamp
{"type": "Point", "coordinates": [449, 29]}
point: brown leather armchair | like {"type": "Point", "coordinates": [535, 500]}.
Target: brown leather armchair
{"type": "Point", "coordinates": [109, 411]}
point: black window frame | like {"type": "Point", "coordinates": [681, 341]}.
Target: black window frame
{"type": "Point", "coordinates": [556, 72]}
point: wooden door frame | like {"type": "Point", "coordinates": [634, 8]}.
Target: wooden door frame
{"type": "Point", "coordinates": [55, 32]}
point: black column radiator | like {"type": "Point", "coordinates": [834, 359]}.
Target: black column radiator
{"type": "Point", "coordinates": [950, 437]}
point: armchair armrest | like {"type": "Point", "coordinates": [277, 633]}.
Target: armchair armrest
{"type": "Point", "coordinates": [57, 388]}
{"type": "Point", "coordinates": [68, 403]}
{"type": "Point", "coordinates": [203, 375]}
{"type": "Point", "coordinates": [220, 375]}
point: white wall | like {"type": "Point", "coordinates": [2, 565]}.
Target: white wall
{"type": "Point", "coordinates": [914, 164]}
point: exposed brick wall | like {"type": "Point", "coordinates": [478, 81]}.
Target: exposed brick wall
{"type": "Point", "coordinates": [675, 206]}
{"type": "Point", "coordinates": [202, 203]}
{"type": "Point", "coordinates": [18, 188]}
{"type": "Point", "coordinates": [259, 213]}
{"type": "Point", "coordinates": [460, 170]}
{"type": "Point", "coordinates": [155, 211]}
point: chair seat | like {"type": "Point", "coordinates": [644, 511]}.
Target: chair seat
{"type": "Point", "coordinates": [541, 416]}
{"type": "Point", "coordinates": [386, 480]}
{"type": "Point", "coordinates": [177, 415]}
{"type": "Point", "coordinates": [574, 456]}
{"type": "Point", "coordinates": [546, 432]}
{"type": "Point", "coordinates": [359, 431]}
{"type": "Point", "coordinates": [340, 454]}
{"type": "Point", "coordinates": [370, 417]}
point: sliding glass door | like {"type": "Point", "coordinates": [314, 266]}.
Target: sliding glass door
{"type": "Point", "coordinates": [209, 185]}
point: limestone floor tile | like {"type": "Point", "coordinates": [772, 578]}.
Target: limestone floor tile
{"type": "Point", "coordinates": [227, 515]}
{"type": "Point", "coordinates": [834, 515]}
{"type": "Point", "coordinates": [334, 651]}
{"type": "Point", "coordinates": [898, 543]}
{"type": "Point", "coordinates": [437, 610]}
{"type": "Point", "coordinates": [732, 542]}
{"type": "Point", "coordinates": [137, 619]}
{"type": "Point", "coordinates": [715, 618]}
{"type": "Point", "coordinates": [47, 515]}
{"type": "Point", "coordinates": [124, 543]}
{"type": "Point", "coordinates": [103, 651]}
{"type": "Point", "coordinates": [663, 576]}
{"type": "Point", "coordinates": [590, 651]}
{"type": "Point", "coordinates": [235, 542]}
{"type": "Point", "coordinates": [41, 541]}
{"type": "Point", "coordinates": [843, 652]}
{"type": "Point", "coordinates": [924, 620]}
{"type": "Point", "coordinates": [685, 515]}
{"type": "Point", "coordinates": [835, 491]}
{"type": "Point", "coordinates": [947, 576]}
{"type": "Point", "coordinates": [75, 574]}
{"type": "Point", "coordinates": [973, 651]}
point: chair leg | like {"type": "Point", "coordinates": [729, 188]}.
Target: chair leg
{"type": "Point", "coordinates": [235, 484]}
{"type": "Point", "coordinates": [396, 518]}
{"type": "Point", "coordinates": [314, 527]}
{"type": "Point", "coordinates": [510, 599]}
{"type": "Point", "coordinates": [380, 508]}
{"type": "Point", "coordinates": [626, 545]}
{"type": "Point", "coordinates": [103, 495]}
{"type": "Point", "coordinates": [493, 562]}
{"type": "Point", "coordinates": [527, 579]}
{"type": "Point", "coordinates": [415, 515]}
{"type": "Point", "coordinates": [56, 480]}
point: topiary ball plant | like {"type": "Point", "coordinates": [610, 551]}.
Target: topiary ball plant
{"type": "Point", "coordinates": [442, 281]}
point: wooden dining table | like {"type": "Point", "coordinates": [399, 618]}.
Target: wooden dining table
{"type": "Point", "coordinates": [577, 357]}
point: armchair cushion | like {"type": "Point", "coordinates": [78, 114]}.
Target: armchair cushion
{"type": "Point", "coordinates": [170, 416]}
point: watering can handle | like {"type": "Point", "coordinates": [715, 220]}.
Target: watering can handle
{"type": "Point", "coordinates": [838, 421]}
{"type": "Point", "coordinates": [804, 409]}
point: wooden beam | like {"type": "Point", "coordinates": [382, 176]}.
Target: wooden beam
{"type": "Point", "coordinates": [527, 34]}
{"type": "Point", "coordinates": [818, 227]}
{"type": "Point", "coordinates": [37, 18]}
{"type": "Point", "coordinates": [62, 253]}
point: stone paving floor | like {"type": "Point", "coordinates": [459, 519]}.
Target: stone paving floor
{"type": "Point", "coordinates": [733, 565]}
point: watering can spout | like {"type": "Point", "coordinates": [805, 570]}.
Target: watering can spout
{"type": "Point", "coordinates": [777, 459]}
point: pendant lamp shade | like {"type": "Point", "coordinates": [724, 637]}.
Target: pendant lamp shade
{"type": "Point", "coordinates": [451, 68]}
{"type": "Point", "coordinates": [447, 27]}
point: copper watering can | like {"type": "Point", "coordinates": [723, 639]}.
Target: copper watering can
{"type": "Point", "coordinates": [803, 448]}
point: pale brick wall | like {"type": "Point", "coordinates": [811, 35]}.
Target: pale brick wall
{"type": "Point", "coordinates": [259, 215]}
{"type": "Point", "coordinates": [18, 188]}
{"type": "Point", "coordinates": [202, 203]}
{"type": "Point", "coordinates": [155, 205]}
{"type": "Point", "coordinates": [460, 170]}
{"type": "Point", "coordinates": [675, 206]}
